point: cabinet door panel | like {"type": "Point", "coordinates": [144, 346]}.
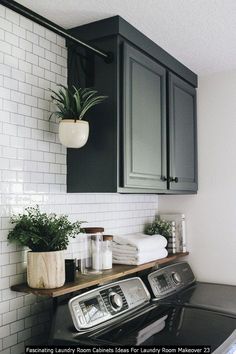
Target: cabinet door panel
{"type": "Point", "coordinates": [182, 135]}
{"type": "Point", "coordinates": [144, 121]}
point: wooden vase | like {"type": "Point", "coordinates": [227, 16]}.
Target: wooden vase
{"type": "Point", "coordinates": [45, 270]}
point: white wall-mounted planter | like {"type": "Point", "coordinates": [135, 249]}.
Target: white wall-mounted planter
{"type": "Point", "coordinates": [73, 134]}
{"type": "Point", "coordinates": [45, 270]}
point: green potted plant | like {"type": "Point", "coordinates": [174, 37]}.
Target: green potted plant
{"type": "Point", "coordinates": [72, 105]}
{"type": "Point", "coordinates": [159, 227]}
{"type": "Point", "coordinates": [47, 236]}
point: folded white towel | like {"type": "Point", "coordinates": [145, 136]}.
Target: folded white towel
{"type": "Point", "coordinates": [140, 258]}
{"type": "Point", "coordinates": [134, 252]}
{"type": "Point", "coordinates": [152, 254]}
{"type": "Point", "coordinates": [126, 253]}
{"type": "Point", "coordinates": [139, 242]}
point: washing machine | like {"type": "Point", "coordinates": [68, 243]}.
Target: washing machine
{"type": "Point", "coordinates": [176, 284]}
{"type": "Point", "coordinates": [164, 313]}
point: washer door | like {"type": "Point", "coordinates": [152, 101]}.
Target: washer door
{"type": "Point", "coordinates": [171, 325]}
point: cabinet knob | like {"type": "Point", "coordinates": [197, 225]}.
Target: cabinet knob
{"type": "Point", "coordinates": [163, 178]}
{"type": "Point", "coordinates": [174, 179]}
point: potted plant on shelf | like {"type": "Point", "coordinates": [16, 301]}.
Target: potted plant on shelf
{"type": "Point", "coordinates": [47, 236]}
{"type": "Point", "coordinates": [159, 227]}
{"type": "Point", "coordinates": [72, 106]}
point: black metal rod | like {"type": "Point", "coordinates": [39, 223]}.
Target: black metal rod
{"type": "Point", "coordinates": [24, 11]}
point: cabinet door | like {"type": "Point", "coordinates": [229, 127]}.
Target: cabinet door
{"type": "Point", "coordinates": [182, 136]}
{"type": "Point", "coordinates": [144, 121]}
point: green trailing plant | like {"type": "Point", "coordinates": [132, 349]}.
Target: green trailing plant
{"type": "Point", "coordinates": [42, 232]}
{"type": "Point", "coordinates": [159, 227]}
{"type": "Point", "coordinates": [75, 103]}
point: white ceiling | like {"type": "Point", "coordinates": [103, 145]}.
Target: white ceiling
{"type": "Point", "coordinates": [200, 33]}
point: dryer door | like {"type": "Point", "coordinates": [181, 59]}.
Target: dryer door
{"type": "Point", "coordinates": [216, 297]}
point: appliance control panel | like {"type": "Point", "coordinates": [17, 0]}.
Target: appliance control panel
{"type": "Point", "coordinates": [107, 302]}
{"type": "Point", "coordinates": [170, 279]}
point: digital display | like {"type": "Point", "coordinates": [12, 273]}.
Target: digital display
{"type": "Point", "coordinates": [162, 281]}
{"type": "Point", "coordinates": [92, 310]}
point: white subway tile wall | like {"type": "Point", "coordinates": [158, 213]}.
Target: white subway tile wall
{"type": "Point", "coordinates": [33, 171]}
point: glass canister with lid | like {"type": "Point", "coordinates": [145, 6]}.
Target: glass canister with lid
{"type": "Point", "coordinates": [94, 239]}
{"type": "Point", "coordinates": [107, 252]}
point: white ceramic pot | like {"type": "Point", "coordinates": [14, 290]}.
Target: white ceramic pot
{"type": "Point", "coordinates": [73, 134]}
{"type": "Point", "coordinates": [45, 270]}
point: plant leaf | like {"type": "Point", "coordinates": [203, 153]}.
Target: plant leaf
{"type": "Point", "coordinates": [74, 104]}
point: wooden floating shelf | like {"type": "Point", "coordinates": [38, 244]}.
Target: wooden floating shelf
{"type": "Point", "coordinates": [86, 281]}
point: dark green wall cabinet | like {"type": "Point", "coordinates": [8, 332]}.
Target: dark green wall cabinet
{"type": "Point", "coordinates": [182, 136]}
{"type": "Point", "coordinates": [144, 120]}
{"type": "Point", "coordinates": [143, 137]}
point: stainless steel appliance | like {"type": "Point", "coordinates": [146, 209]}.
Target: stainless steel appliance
{"type": "Point", "coordinates": [122, 313]}
{"type": "Point", "coordinates": [183, 289]}
{"type": "Point", "coordinates": [170, 280]}
{"type": "Point", "coordinates": [97, 306]}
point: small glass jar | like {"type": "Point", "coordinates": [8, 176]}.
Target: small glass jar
{"type": "Point", "coordinates": [93, 264]}
{"type": "Point", "coordinates": [85, 260]}
{"type": "Point", "coordinates": [107, 252]}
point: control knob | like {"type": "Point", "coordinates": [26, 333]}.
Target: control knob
{"type": "Point", "coordinates": [176, 278]}
{"type": "Point", "coordinates": [115, 301]}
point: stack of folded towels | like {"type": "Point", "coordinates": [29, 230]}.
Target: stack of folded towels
{"type": "Point", "coordinates": [134, 249]}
